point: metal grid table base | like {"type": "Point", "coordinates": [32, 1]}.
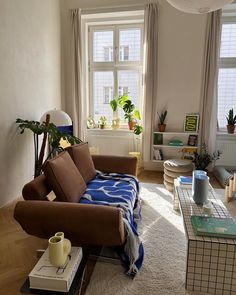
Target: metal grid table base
{"type": "Point", "coordinates": [211, 262]}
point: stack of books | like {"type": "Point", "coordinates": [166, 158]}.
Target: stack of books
{"type": "Point", "coordinates": [214, 226]}
{"type": "Point", "coordinates": [185, 179]}
{"type": "Point", "coordinates": [45, 276]}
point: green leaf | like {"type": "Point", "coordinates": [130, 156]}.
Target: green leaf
{"type": "Point", "coordinates": [137, 114]}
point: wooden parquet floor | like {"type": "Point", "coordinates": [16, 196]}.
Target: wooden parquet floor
{"type": "Point", "coordinates": [18, 250]}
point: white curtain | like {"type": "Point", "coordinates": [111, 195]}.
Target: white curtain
{"type": "Point", "coordinates": [74, 99]}
{"type": "Point", "coordinates": [208, 107]}
{"type": "Point", "coordinates": [150, 75]}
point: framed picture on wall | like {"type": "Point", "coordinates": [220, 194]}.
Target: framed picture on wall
{"type": "Point", "coordinates": [191, 123]}
{"type": "Point", "coordinates": [192, 140]}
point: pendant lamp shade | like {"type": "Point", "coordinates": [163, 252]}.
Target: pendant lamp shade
{"type": "Point", "coordinates": [198, 6]}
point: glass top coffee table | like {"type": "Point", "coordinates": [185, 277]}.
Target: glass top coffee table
{"type": "Point", "coordinates": [211, 262]}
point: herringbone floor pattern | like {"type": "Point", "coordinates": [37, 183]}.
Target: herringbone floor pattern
{"type": "Point", "coordinates": [18, 250]}
{"type": "Point", "coordinates": [17, 253]}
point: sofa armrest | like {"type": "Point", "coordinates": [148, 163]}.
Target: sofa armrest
{"type": "Point", "coordinates": [36, 189]}
{"type": "Point", "coordinates": [118, 164]}
{"type": "Point", "coordinates": [84, 225]}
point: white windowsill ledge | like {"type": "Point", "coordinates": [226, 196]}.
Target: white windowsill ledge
{"type": "Point", "coordinates": [224, 135]}
{"type": "Point", "coordinates": [121, 133]}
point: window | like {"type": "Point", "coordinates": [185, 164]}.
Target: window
{"type": "Point", "coordinates": [227, 72]}
{"type": "Point", "coordinates": [115, 66]}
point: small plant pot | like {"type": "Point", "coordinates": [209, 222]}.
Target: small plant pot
{"type": "Point", "coordinates": [102, 126]}
{"type": "Point", "coordinates": [162, 127]}
{"type": "Point", "coordinates": [132, 125]}
{"type": "Point", "coordinates": [230, 129]}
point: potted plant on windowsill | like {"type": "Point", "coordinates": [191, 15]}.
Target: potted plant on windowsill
{"type": "Point", "coordinates": [132, 115]}
{"type": "Point", "coordinates": [231, 119]}
{"type": "Point", "coordinates": [102, 122]}
{"type": "Point", "coordinates": [115, 117]}
{"type": "Point", "coordinates": [162, 118]}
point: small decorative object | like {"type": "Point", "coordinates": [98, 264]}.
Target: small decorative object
{"type": "Point", "coordinates": [231, 119]}
{"type": "Point", "coordinates": [158, 138]}
{"type": "Point", "coordinates": [192, 140]}
{"type": "Point", "coordinates": [188, 153]}
{"type": "Point", "coordinates": [197, 6]}
{"type": "Point", "coordinates": [207, 208]}
{"type": "Point", "coordinates": [162, 118]}
{"type": "Point", "coordinates": [115, 118]}
{"type": "Point", "coordinates": [59, 249]}
{"type": "Point", "coordinates": [191, 123]}
{"type": "Point", "coordinates": [200, 188]}
{"type": "Point", "coordinates": [175, 142]}
{"type": "Point", "coordinates": [203, 158]}
{"type": "Point", "coordinates": [90, 123]}
{"type": "Point", "coordinates": [102, 122]}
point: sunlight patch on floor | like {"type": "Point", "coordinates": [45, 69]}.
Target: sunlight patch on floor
{"type": "Point", "coordinates": [163, 204]}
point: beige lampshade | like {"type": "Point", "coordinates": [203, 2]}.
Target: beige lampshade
{"type": "Point", "coordinates": [198, 6]}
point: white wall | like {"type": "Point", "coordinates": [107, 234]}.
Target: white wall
{"type": "Point", "coordinates": [30, 82]}
{"type": "Point", "coordinates": [180, 59]}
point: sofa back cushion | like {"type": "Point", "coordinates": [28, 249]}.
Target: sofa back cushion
{"type": "Point", "coordinates": [83, 160]}
{"type": "Point", "coordinates": [64, 178]}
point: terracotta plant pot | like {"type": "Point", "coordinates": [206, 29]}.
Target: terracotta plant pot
{"type": "Point", "coordinates": [162, 127]}
{"type": "Point", "coordinates": [231, 129]}
{"type": "Point", "coordinates": [132, 124]}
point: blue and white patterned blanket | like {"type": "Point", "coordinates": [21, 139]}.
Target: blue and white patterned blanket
{"type": "Point", "coordinates": [121, 191]}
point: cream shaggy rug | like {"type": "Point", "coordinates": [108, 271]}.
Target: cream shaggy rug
{"type": "Point", "coordinates": [162, 233]}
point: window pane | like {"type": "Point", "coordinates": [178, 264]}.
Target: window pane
{"type": "Point", "coordinates": [129, 82]}
{"type": "Point", "coordinates": [228, 40]}
{"type": "Point", "coordinates": [226, 94]}
{"type": "Point", "coordinates": [102, 46]}
{"type": "Point", "coordinates": [103, 87]}
{"type": "Point", "coordinates": [130, 42]}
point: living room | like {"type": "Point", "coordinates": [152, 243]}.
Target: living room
{"type": "Point", "coordinates": [36, 77]}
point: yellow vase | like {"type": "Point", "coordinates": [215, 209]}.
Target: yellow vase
{"type": "Point", "coordinates": [59, 249]}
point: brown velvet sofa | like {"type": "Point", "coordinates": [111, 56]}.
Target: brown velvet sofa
{"type": "Point", "coordinates": [84, 225]}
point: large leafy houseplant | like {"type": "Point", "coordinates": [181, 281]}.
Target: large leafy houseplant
{"type": "Point", "coordinates": [50, 132]}
{"type": "Point", "coordinates": [132, 115]}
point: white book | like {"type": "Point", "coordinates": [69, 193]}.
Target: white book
{"type": "Point", "coordinates": [48, 277]}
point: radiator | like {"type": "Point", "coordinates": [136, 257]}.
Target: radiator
{"type": "Point", "coordinates": [227, 145]}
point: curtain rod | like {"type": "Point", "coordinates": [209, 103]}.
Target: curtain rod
{"type": "Point", "coordinates": [111, 9]}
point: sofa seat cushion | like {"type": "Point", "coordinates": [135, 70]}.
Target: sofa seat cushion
{"type": "Point", "coordinates": [111, 191]}
{"type": "Point", "coordinates": [64, 178]}
{"type": "Point", "coordinates": [81, 156]}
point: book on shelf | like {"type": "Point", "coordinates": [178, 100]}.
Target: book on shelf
{"type": "Point", "coordinates": [185, 179]}
{"type": "Point", "coordinates": [45, 276]}
{"type": "Point", "coordinates": [214, 226]}
{"type": "Point", "coordinates": [158, 155]}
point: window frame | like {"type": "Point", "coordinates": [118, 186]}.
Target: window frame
{"type": "Point", "coordinates": [225, 62]}
{"type": "Point", "coordinates": [115, 65]}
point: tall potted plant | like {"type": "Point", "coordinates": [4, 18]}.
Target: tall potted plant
{"type": "Point", "coordinates": [51, 133]}
{"type": "Point", "coordinates": [162, 118]}
{"type": "Point", "coordinates": [231, 119]}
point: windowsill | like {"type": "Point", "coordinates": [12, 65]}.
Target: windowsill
{"type": "Point", "coordinates": [221, 135]}
{"type": "Point", "coordinates": [109, 130]}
